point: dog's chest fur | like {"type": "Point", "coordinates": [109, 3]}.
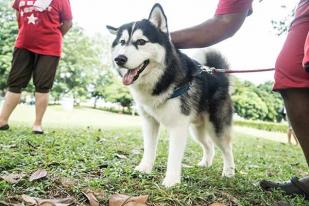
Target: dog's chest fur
{"type": "Point", "coordinates": [164, 110]}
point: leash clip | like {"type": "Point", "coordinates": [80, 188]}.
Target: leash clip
{"type": "Point", "coordinates": [210, 70]}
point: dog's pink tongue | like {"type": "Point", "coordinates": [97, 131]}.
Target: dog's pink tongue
{"type": "Point", "coordinates": [128, 78]}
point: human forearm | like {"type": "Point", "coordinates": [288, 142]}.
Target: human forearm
{"type": "Point", "coordinates": [17, 16]}
{"type": "Point", "coordinates": [209, 32]}
{"type": "Point", "coordinates": [66, 26]}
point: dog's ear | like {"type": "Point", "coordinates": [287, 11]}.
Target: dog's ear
{"type": "Point", "coordinates": [112, 30]}
{"type": "Point", "coordinates": [158, 18]}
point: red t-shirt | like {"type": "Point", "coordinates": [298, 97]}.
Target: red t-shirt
{"type": "Point", "coordinates": [233, 6]}
{"type": "Point", "coordinates": [306, 51]}
{"type": "Point", "coordinates": [40, 32]}
{"type": "Point", "coordinates": [290, 72]}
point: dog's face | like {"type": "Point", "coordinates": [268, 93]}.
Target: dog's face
{"type": "Point", "coordinates": [138, 50]}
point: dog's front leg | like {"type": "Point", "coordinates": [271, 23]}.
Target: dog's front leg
{"type": "Point", "coordinates": [177, 144]}
{"type": "Point", "coordinates": [150, 135]}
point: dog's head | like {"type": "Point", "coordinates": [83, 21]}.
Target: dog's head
{"type": "Point", "coordinates": [139, 48]}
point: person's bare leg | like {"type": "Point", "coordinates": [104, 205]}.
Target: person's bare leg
{"type": "Point", "coordinates": [41, 103]}
{"type": "Point", "coordinates": [295, 137]}
{"type": "Point", "coordinates": [289, 136]}
{"type": "Point", "coordinates": [10, 103]}
{"type": "Point", "coordinates": [296, 102]}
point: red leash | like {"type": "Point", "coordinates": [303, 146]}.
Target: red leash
{"type": "Point", "coordinates": [241, 71]}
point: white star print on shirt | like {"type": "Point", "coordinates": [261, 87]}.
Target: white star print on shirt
{"type": "Point", "coordinates": [32, 19]}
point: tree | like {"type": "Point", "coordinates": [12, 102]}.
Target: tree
{"type": "Point", "coordinates": [118, 93]}
{"type": "Point", "coordinates": [98, 87]}
{"type": "Point", "coordinates": [256, 102]}
{"type": "Point", "coordinates": [249, 106]}
{"type": "Point", "coordinates": [282, 25]}
{"type": "Point", "coordinates": [81, 66]}
{"type": "Point", "coordinates": [8, 32]}
{"type": "Point", "coordinates": [272, 99]}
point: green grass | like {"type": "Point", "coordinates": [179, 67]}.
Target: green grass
{"type": "Point", "coordinates": [267, 126]}
{"type": "Point", "coordinates": [89, 156]}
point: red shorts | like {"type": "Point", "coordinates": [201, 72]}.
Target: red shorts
{"type": "Point", "coordinates": [290, 72]}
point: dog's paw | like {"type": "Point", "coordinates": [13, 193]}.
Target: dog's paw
{"type": "Point", "coordinates": [170, 181]}
{"type": "Point", "coordinates": [143, 168]}
{"type": "Point", "coordinates": [204, 163]}
{"type": "Point", "coordinates": [230, 172]}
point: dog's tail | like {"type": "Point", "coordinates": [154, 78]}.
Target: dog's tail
{"type": "Point", "coordinates": [211, 58]}
{"type": "Point", "coordinates": [214, 58]}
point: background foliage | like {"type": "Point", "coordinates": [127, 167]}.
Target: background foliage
{"type": "Point", "coordinates": [85, 73]}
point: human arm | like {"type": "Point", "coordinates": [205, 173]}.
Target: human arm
{"type": "Point", "coordinates": [15, 6]}
{"type": "Point", "coordinates": [210, 32]}
{"type": "Point", "coordinates": [66, 17]}
{"type": "Point", "coordinates": [66, 26]}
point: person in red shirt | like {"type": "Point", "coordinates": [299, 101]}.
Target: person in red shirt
{"type": "Point", "coordinates": [291, 76]}
{"type": "Point", "coordinates": [228, 18]}
{"type": "Point", "coordinates": [306, 56]}
{"type": "Point", "coordinates": [42, 25]}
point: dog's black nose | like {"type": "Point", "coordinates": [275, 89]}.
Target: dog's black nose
{"type": "Point", "coordinates": [121, 60]}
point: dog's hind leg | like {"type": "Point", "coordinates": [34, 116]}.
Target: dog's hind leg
{"type": "Point", "coordinates": [224, 142]}
{"type": "Point", "coordinates": [199, 132]}
{"type": "Point", "coordinates": [150, 136]}
{"type": "Point", "coordinates": [228, 158]}
{"type": "Point", "coordinates": [177, 143]}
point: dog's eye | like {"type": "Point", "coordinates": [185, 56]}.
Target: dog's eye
{"type": "Point", "coordinates": [122, 42]}
{"type": "Point", "coordinates": [141, 42]}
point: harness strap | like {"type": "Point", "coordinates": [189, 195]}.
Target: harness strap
{"type": "Point", "coordinates": [178, 91]}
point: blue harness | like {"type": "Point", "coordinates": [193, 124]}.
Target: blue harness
{"type": "Point", "coordinates": [178, 91]}
{"type": "Point", "coordinates": [184, 88]}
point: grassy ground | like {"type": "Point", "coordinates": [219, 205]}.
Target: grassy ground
{"type": "Point", "coordinates": [267, 126]}
{"type": "Point", "coordinates": [103, 159]}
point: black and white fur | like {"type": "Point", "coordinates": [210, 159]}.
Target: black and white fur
{"type": "Point", "coordinates": [152, 68]}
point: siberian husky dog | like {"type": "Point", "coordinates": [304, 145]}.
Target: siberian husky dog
{"type": "Point", "coordinates": [172, 90]}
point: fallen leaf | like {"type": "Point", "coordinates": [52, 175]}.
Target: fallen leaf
{"type": "Point", "coordinates": [230, 197]}
{"type": "Point", "coordinates": [10, 204]}
{"type": "Point", "coordinates": [47, 202]}
{"type": "Point", "coordinates": [92, 199]}
{"type": "Point", "coordinates": [67, 182]}
{"type": "Point", "coordinates": [136, 151]}
{"type": "Point", "coordinates": [11, 201]}
{"type": "Point", "coordinates": [4, 203]}
{"type": "Point", "coordinates": [13, 178]}
{"type": "Point", "coordinates": [125, 200]}
{"type": "Point", "coordinates": [8, 146]}
{"type": "Point", "coordinates": [99, 194]}
{"type": "Point", "coordinates": [29, 200]}
{"type": "Point", "coordinates": [217, 204]}
{"type": "Point", "coordinates": [120, 156]}
{"type": "Point", "coordinates": [39, 174]}
{"type": "Point", "coordinates": [187, 166]}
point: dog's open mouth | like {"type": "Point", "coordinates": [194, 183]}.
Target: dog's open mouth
{"type": "Point", "coordinates": [133, 74]}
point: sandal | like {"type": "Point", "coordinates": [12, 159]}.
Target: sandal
{"type": "Point", "coordinates": [294, 187]}
{"type": "Point", "coordinates": [4, 127]}
{"type": "Point", "coordinates": [282, 204]}
{"type": "Point", "coordinates": [37, 132]}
